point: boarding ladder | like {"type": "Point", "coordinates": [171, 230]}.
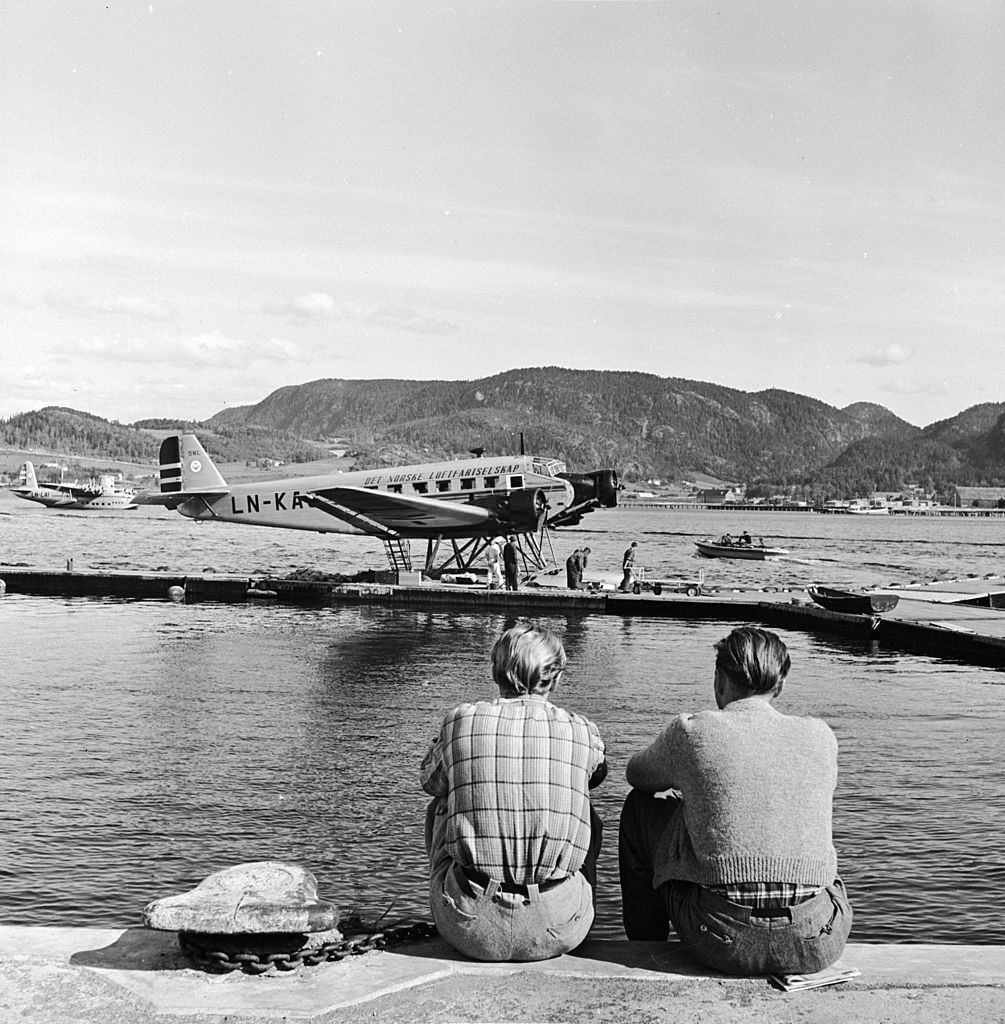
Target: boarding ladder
{"type": "Point", "coordinates": [399, 554]}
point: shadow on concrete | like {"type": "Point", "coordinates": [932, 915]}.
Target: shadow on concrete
{"type": "Point", "coordinates": [666, 958]}
{"type": "Point", "coordinates": [660, 957]}
{"type": "Point", "coordinates": [136, 949]}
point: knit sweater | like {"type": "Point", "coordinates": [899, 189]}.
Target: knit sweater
{"type": "Point", "coordinates": [757, 787]}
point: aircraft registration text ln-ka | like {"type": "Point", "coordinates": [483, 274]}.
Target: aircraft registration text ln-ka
{"type": "Point", "coordinates": [466, 502]}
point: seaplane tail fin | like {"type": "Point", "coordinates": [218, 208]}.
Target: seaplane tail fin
{"type": "Point", "coordinates": [186, 471]}
{"type": "Point", "coordinates": [26, 477]}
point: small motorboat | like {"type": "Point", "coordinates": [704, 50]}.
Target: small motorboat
{"type": "Point", "coordinates": [731, 548]}
{"type": "Point", "coordinates": [852, 602]}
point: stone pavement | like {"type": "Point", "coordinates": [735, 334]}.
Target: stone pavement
{"type": "Point", "coordinates": [137, 976]}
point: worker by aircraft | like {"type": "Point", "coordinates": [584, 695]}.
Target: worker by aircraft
{"type": "Point", "coordinates": [464, 503]}
{"type": "Point", "coordinates": [103, 493]}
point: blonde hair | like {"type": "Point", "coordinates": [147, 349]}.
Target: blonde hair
{"type": "Point", "coordinates": [526, 659]}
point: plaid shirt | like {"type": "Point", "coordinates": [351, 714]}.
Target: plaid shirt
{"type": "Point", "coordinates": [765, 895]}
{"type": "Point", "coordinates": [514, 774]}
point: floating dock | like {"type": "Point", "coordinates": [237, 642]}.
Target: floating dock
{"type": "Point", "coordinates": [961, 619]}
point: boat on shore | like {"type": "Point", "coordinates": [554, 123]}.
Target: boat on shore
{"type": "Point", "coordinates": [852, 602]}
{"type": "Point", "coordinates": [727, 547]}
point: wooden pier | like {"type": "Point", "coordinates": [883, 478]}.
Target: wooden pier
{"type": "Point", "coordinates": [963, 620]}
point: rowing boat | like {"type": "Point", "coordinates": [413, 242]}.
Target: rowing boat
{"type": "Point", "coordinates": [851, 601]}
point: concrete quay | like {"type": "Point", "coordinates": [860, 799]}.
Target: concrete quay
{"type": "Point", "coordinates": [138, 976]}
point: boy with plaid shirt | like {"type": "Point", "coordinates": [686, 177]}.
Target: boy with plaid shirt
{"type": "Point", "coordinates": [511, 835]}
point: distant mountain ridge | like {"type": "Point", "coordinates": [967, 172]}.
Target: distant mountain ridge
{"type": "Point", "coordinates": [649, 425]}
{"type": "Point", "coordinates": [644, 425]}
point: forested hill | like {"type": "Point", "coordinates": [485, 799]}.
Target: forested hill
{"type": "Point", "coordinates": [643, 425]}
{"type": "Point", "coordinates": [71, 434]}
{"type": "Point", "coordinates": [667, 427]}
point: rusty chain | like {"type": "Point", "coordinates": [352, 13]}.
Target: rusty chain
{"type": "Point", "coordinates": [257, 954]}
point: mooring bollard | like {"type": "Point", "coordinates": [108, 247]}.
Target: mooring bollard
{"type": "Point", "coordinates": [69, 565]}
{"type": "Point", "coordinates": [252, 917]}
{"type": "Point", "coordinates": [266, 915]}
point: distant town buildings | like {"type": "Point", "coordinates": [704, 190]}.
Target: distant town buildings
{"type": "Point", "coordinates": [980, 497]}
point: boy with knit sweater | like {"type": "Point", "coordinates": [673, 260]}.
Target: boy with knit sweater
{"type": "Point", "coordinates": [740, 852]}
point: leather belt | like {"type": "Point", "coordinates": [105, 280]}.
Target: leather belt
{"type": "Point", "coordinates": [480, 878]}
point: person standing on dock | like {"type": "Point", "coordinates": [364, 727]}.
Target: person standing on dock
{"type": "Point", "coordinates": [628, 566]}
{"type": "Point", "coordinates": [511, 834]}
{"type": "Point", "coordinates": [493, 556]}
{"type": "Point", "coordinates": [574, 570]}
{"type": "Point", "coordinates": [740, 853]}
{"type": "Point", "coordinates": [511, 568]}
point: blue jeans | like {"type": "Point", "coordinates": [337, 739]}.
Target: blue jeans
{"type": "Point", "coordinates": [726, 936]}
{"type": "Point", "coordinates": [483, 922]}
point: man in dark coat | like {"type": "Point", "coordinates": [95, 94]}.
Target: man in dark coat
{"type": "Point", "coordinates": [574, 569]}
{"type": "Point", "coordinates": [510, 570]}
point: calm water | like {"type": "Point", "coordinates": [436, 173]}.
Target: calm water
{"type": "Point", "coordinates": [147, 744]}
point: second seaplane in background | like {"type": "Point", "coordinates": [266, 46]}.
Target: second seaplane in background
{"type": "Point", "coordinates": [465, 502]}
{"type": "Point", "coordinates": [103, 493]}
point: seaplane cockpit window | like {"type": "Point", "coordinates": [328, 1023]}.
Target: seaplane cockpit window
{"type": "Point", "coordinates": [468, 483]}
{"type": "Point", "coordinates": [548, 467]}
{"type": "Point", "coordinates": [443, 485]}
{"type": "Point", "coordinates": [516, 481]}
{"type": "Point", "coordinates": [420, 486]}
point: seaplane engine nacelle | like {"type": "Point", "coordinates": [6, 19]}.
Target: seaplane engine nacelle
{"type": "Point", "coordinates": [524, 508]}
{"type": "Point", "coordinates": [601, 487]}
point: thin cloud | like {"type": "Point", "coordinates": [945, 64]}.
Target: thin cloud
{"type": "Point", "coordinates": [128, 350]}
{"type": "Point", "coordinates": [207, 349]}
{"type": "Point", "coordinates": [891, 355]}
{"type": "Point", "coordinates": [322, 306]}
{"type": "Point", "coordinates": [407, 319]}
{"type": "Point", "coordinates": [303, 307]}
{"type": "Point", "coordinates": [126, 305]}
{"type": "Point", "coordinates": [902, 386]}
{"type": "Point", "coordinates": [141, 309]}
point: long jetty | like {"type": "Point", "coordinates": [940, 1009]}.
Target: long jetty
{"type": "Point", "coordinates": [962, 619]}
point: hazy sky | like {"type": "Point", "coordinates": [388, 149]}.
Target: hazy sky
{"type": "Point", "coordinates": [203, 201]}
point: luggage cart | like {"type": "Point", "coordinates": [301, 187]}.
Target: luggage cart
{"type": "Point", "coordinates": [642, 583]}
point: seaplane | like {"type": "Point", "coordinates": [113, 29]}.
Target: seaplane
{"type": "Point", "coordinates": [456, 506]}
{"type": "Point", "coordinates": [103, 493]}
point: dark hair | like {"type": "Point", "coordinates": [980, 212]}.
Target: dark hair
{"type": "Point", "coordinates": [527, 660]}
{"type": "Point", "coordinates": [753, 658]}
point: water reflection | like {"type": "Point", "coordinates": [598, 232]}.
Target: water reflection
{"type": "Point", "coordinates": [154, 743]}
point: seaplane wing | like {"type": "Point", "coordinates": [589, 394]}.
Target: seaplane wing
{"type": "Point", "coordinates": [74, 494]}
{"type": "Point", "coordinates": [395, 514]}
